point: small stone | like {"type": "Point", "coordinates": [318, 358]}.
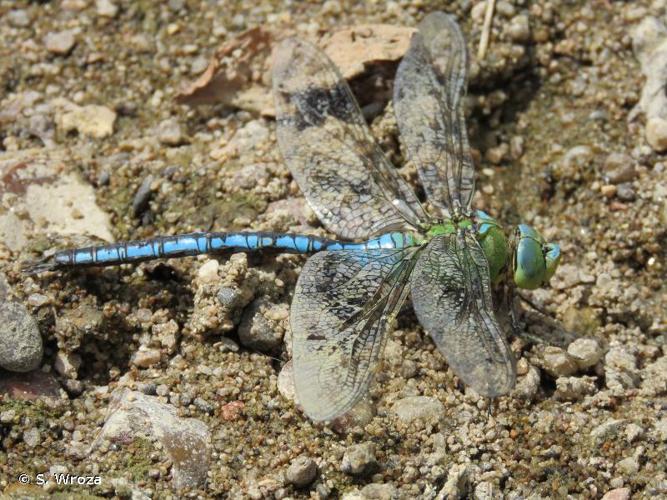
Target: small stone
{"type": "Point", "coordinates": [106, 8]}
{"type": "Point", "coordinates": [301, 472]}
{"type": "Point", "coordinates": [143, 196]}
{"type": "Point", "coordinates": [67, 364]}
{"type": "Point", "coordinates": [617, 494]}
{"type": "Point", "coordinates": [31, 437]}
{"type": "Point", "coordinates": [185, 441]}
{"type": "Point", "coordinates": [376, 491]}
{"type": "Point", "coordinates": [621, 369]}
{"type": "Point", "coordinates": [359, 416]}
{"type": "Point", "coordinates": [286, 386]}
{"type": "Point", "coordinates": [557, 362]}
{"type": "Point", "coordinates": [145, 358]}
{"type": "Point", "coordinates": [92, 120]}
{"type": "Point", "coordinates": [660, 428]}
{"type": "Point", "coordinates": [633, 432]}
{"type": "Point", "coordinates": [456, 485]}
{"type": "Point", "coordinates": [260, 327]}
{"type": "Point", "coordinates": [419, 408]}
{"type": "Point", "coordinates": [607, 430]}
{"type": "Point", "coordinates": [170, 133]}
{"type": "Point", "coordinates": [359, 460]}
{"type": "Point", "coordinates": [505, 9]}
{"type": "Point", "coordinates": [626, 192]}
{"type": "Point", "coordinates": [486, 491]}
{"type": "Point", "coordinates": [18, 18]}
{"type": "Point", "coordinates": [608, 190]}
{"type": "Point", "coordinates": [656, 133]}
{"type": "Point", "coordinates": [208, 272]}
{"type": "Point", "coordinates": [497, 154]}
{"type": "Point", "coordinates": [7, 416]}
{"type": "Point", "coordinates": [619, 168]}
{"type": "Point", "coordinates": [60, 43]}
{"type": "Point", "coordinates": [586, 352]}
{"type": "Point", "coordinates": [628, 466]}
{"type": "Point", "coordinates": [519, 29]}
{"type": "Point", "coordinates": [21, 348]}
{"type": "Point", "coordinates": [574, 388]}
{"type": "Point", "coordinates": [528, 385]}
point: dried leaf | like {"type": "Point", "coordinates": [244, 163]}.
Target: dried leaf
{"type": "Point", "coordinates": [239, 73]}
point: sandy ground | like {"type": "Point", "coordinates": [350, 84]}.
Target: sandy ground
{"type": "Point", "coordinates": [170, 378]}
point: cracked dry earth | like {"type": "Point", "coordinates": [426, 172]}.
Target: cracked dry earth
{"type": "Point", "coordinates": [171, 379]}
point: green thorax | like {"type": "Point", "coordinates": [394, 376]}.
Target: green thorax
{"type": "Point", "coordinates": [490, 236]}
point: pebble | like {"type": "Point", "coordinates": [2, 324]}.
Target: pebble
{"type": "Point", "coordinates": [628, 466]}
{"type": "Point", "coordinates": [359, 460]}
{"type": "Point", "coordinates": [18, 18]}
{"type": "Point", "coordinates": [557, 362]}
{"type": "Point", "coordinates": [574, 388]}
{"type": "Point", "coordinates": [60, 43]}
{"type": "Point", "coordinates": [7, 416]}
{"type": "Point", "coordinates": [419, 408]}
{"type": "Point", "coordinates": [619, 167]}
{"type": "Point", "coordinates": [258, 329]}
{"type": "Point", "coordinates": [301, 472]}
{"type": "Point", "coordinates": [92, 120]}
{"type": "Point", "coordinates": [519, 29]}
{"type": "Point", "coordinates": [607, 430]}
{"type": "Point", "coordinates": [633, 432]}
{"type": "Point", "coordinates": [608, 190]}
{"type": "Point", "coordinates": [617, 494]}
{"type": "Point", "coordinates": [286, 386]}
{"type": "Point", "coordinates": [170, 132]}
{"type": "Point", "coordinates": [660, 428]}
{"type": "Point", "coordinates": [21, 348]}
{"type": "Point", "coordinates": [32, 437]}
{"type": "Point", "coordinates": [106, 8]}
{"type": "Point", "coordinates": [143, 196]}
{"type": "Point", "coordinates": [133, 415]}
{"type": "Point", "coordinates": [621, 369]}
{"type": "Point", "coordinates": [656, 134]}
{"type": "Point", "coordinates": [528, 385]}
{"type": "Point", "coordinates": [626, 192]}
{"type": "Point", "coordinates": [67, 364]}
{"type": "Point", "coordinates": [359, 416]}
{"type": "Point", "coordinates": [586, 352]}
{"type": "Point", "coordinates": [456, 485]}
{"type": "Point", "coordinates": [486, 491]}
{"type": "Point", "coordinates": [377, 491]}
{"type": "Point", "coordinates": [145, 358]}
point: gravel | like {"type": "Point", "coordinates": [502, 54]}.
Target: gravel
{"type": "Point", "coordinates": [301, 472]}
{"type": "Point", "coordinates": [359, 460]}
{"type": "Point", "coordinates": [21, 347]}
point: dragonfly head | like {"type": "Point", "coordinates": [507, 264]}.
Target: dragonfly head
{"type": "Point", "coordinates": [535, 261]}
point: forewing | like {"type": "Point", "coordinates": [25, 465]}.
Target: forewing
{"type": "Point", "coordinates": [327, 145]}
{"type": "Point", "coordinates": [428, 97]}
{"type": "Point", "coordinates": [451, 295]}
{"type": "Point", "coordinates": [343, 304]}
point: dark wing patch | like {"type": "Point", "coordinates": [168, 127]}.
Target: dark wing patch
{"type": "Point", "coordinates": [327, 145]}
{"type": "Point", "coordinates": [339, 321]}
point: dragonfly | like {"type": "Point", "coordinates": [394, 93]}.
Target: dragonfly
{"type": "Point", "coordinates": [389, 244]}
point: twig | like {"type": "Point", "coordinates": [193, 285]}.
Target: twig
{"type": "Point", "coordinates": [486, 29]}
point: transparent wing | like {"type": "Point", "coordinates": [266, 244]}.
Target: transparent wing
{"type": "Point", "coordinates": [451, 295]}
{"type": "Point", "coordinates": [327, 145]}
{"type": "Point", "coordinates": [428, 97]}
{"type": "Point", "coordinates": [342, 306]}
